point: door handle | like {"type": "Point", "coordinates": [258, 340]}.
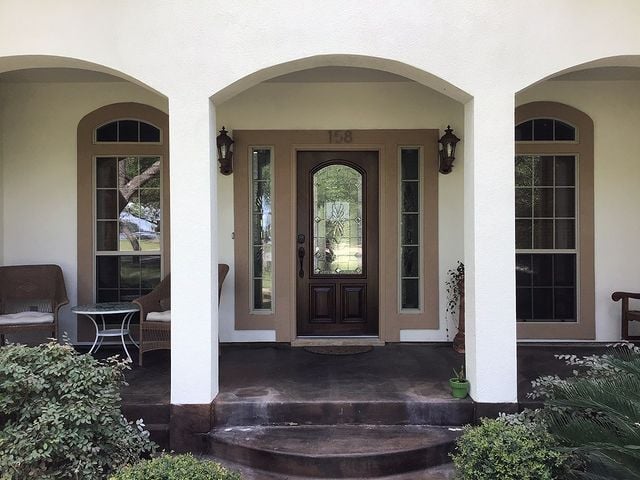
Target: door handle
{"type": "Point", "coordinates": [301, 254]}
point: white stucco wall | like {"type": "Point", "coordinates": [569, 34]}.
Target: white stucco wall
{"type": "Point", "coordinates": [614, 107]}
{"type": "Point", "coordinates": [38, 136]}
{"type": "Point", "coordinates": [384, 105]}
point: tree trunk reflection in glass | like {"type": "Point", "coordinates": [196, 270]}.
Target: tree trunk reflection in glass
{"type": "Point", "coordinates": [337, 221]}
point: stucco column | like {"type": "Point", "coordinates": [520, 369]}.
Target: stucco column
{"type": "Point", "coordinates": [489, 247]}
{"type": "Point", "coordinates": [194, 251]}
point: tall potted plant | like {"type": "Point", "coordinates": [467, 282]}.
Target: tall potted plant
{"type": "Point", "coordinates": [455, 302]}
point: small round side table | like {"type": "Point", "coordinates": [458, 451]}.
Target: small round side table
{"type": "Point", "coordinates": [94, 310]}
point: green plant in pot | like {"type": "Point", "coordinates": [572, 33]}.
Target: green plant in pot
{"type": "Point", "coordinates": [459, 384]}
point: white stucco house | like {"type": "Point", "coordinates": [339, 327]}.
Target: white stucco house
{"type": "Point", "coordinates": [335, 221]}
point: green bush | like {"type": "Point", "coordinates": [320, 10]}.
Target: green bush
{"type": "Point", "coordinates": [496, 450]}
{"type": "Point", "coordinates": [168, 467]}
{"type": "Point", "coordinates": [60, 415]}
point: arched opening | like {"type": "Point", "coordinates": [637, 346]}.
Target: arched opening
{"type": "Point", "coordinates": [350, 102]}
{"type": "Point", "coordinates": [605, 91]}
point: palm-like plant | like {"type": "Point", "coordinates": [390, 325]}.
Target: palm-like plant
{"type": "Point", "coordinates": [598, 418]}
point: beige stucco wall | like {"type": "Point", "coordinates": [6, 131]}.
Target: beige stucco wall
{"type": "Point", "coordinates": [345, 106]}
{"type": "Point", "coordinates": [614, 107]}
{"type": "Point", "coordinates": [38, 135]}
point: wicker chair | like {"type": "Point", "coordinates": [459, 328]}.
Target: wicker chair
{"type": "Point", "coordinates": [155, 329]}
{"type": "Point", "coordinates": [30, 299]}
{"type": "Point", "coordinates": [627, 314]}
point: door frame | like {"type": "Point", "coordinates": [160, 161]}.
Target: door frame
{"type": "Point", "coordinates": [286, 144]}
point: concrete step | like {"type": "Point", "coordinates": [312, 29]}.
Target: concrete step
{"type": "Point", "coordinates": [383, 412]}
{"type": "Point", "coordinates": [155, 417]}
{"type": "Point", "coordinates": [334, 451]}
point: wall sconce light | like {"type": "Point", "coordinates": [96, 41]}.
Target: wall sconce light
{"type": "Point", "coordinates": [225, 154]}
{"type": "Point", "coordinates": [448, 150]}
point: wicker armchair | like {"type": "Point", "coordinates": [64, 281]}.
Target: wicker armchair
{"type": "Point", "coordinates": [30, 299]}
{"type": "Point", "coordinates": [627, 315]}
{"type": "Point", "coordinates": [155, 329]}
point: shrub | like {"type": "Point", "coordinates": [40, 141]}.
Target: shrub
{"type": "Point", "coordinates": [497, 450]}
{"type": "Point", "coordinates": [60, 415]}
{"type": "Point", "coordinates": [167, 467]}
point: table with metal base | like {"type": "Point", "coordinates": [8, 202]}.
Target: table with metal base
{"type": "Point", "coordinates": [94, 310]}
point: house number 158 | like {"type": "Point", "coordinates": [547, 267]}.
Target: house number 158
{"type": "Point", "coordinates": [340, 136]}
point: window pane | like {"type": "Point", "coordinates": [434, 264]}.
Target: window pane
{"type": "Point", "coordinates": [543, 171]}
{"type": "Point", "coordinates": [410, 262]}
{"type": "Point", "coordinates": [524, 170]}
{"type": "Point", "coordinates": [523, 270]}
{"type": "Point", "coordinates": [565, 234]}
{"type": "Point", "coordinates": [150, 271]}
{"type": "Point", "coordinates": [564, 274]}
{"type": "Point", "coordinates": [106, 172]}
{"type": "Point", "coordinates": [564, 131]}
{"type": "Point", "coordinates": [104, 295]}
{"type": "Point", "coordinates": [411, 294]}
{"type": "Point", "coordinates": [410, 228]}
{"type": "Point", "coordinates": [543, 129]}
{"type": "Point", "coordinates": [261, 222]}
{"type": "Point", "coordinates": [565, 304]}
{"type": "Point", "coordinates": [542, 304]}
{"type": "Point", "coordinates": [107, 204]}
{"type": "Point", "coordinates": [410, 196]}
{"type": "Point", "coordinates": [543, 202]}
{"type": "Point", "coordinates": [107, 236]}
{"type": "Point", "coordinates": [410, 163]}
{"type": "Point", "coordinates": [523, 234]}
{"type": "Point", "coordinates": [129, 271]}
{"type": "Point", "coordinates": [542, 234]}
{"type": "Point", "coordinates": [338, 223]}
{"type": "Point", "coordinates": [130, 224]}
{"type": "Point", "coordinates": [107, 133]}
{"type": "Point", "coordinates": [542, 267]}
{"type": "Point", "coordinates": [128, 131]}
{"type": "Point", "coordinates": [524, 132]}
{"type": "Point", "coordinates": [565, 202]}
{"type": "Point", "coordinates": [149, 133]}
{"type": "Point", "coordinates": [524, 202]}
{"type": "Point", "coordinates": [566, 171]}
{"type": "Point", "coordinates": [148, 213]}
{"type": "Point", "coordinates": [523, 304]}
{"type": "Point", "coordinates": [107, 271]}
{"type": "Point", "coordinates": [150, 170]}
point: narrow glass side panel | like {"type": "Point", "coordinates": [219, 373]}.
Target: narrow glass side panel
{"type": "Point", "coordinates": [410, 222]}
{"type": "Point", "coordinates": [261, 233]}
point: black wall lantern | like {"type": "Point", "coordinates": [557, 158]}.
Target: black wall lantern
{"type": "Point", "coordinates": [225, 154]}
{"type": "Point", "coordinates": [448, 150]}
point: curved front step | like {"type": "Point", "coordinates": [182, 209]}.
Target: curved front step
{"type": "Point", "coordinates": [335, 451]}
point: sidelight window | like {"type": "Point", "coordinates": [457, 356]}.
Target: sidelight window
{"type": "Point", "coordinates": [410, 227]}
{"type": "Point", "coordinates": [261, 229]}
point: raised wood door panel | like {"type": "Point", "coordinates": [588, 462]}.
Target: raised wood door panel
{"type": "Point", "coordinates": [337, 243]}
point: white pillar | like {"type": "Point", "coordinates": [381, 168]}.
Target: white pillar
{"type": "Point", "coordinates": [489, 248]}
{"type": "Point", "coordinates": [194, 250]}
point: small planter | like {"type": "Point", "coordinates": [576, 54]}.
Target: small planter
{"type": "Point", "coordinates": [459, 389]}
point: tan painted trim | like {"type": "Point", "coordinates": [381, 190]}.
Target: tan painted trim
{"type": "Point", "coordinates": [584, 328]}
{"type": "Point", "coordinates": [87, 151]}
{"type": "Point", "coordinates": [285, 144]}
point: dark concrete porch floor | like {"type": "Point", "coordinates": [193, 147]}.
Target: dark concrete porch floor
{"type": "Point", "coordinates": [392, 372]}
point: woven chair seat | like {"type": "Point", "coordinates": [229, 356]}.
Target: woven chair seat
{"type": "Point", "coordinates": [26, 318]}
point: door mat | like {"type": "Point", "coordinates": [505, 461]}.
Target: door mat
{"type": "Point", "coordinates": [340, 350]}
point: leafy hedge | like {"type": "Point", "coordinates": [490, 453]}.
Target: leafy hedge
{"type": "Point", "coordinates": [60, 415]}
{"type": "Point", "coordinates": [178, 467]}
{"type": "Point", "coordinates": [496, 450]}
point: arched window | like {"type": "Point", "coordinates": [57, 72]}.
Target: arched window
{"type": "Point", "coordinates": [554, 222]}
{"type": "Point", "coordinates": [122, 202]}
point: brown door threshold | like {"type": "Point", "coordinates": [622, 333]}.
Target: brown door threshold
{"type": "Point", "coordinates": [337, 342]}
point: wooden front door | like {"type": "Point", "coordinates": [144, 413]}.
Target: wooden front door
{"type": "Point", "coordinates": [337, 243]}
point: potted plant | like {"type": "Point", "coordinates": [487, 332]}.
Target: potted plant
{"type": "Point", "coordinates": [455, 301]}
{"type": "Point", "coordinates": [459, 384]}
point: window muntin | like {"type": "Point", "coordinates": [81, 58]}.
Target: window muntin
{"type": "Point", "coordinates": [128, 206]}
{"type": "Point", "coordinates": [261, 233]}
{"type": "Point", "coordinates": [546, 238]}
{"type": "Point", "coordinates": [410, 228]}
{"type": "Point", "coordinates": [338, 223]}
{"type": "Point", "coordinates": [127, 131]}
